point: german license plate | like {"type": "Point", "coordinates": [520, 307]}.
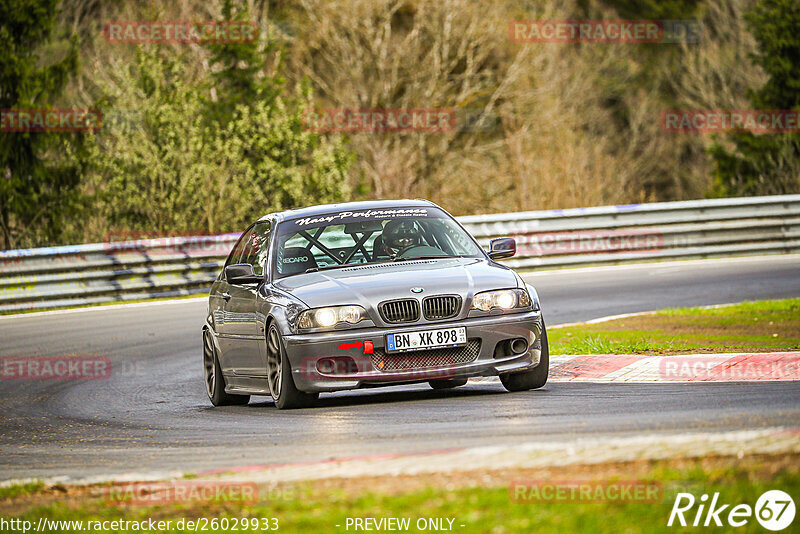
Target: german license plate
{"type": "Point", "coordinates": [426, 339]}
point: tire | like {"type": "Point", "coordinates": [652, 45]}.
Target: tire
{"type": "Point", "coordinates": [215, 382]}
{"type": "Point", "coordinates": [279, 375]}
{"type": "Point", "coordinates": [447, 384]}
{"type": "Point", "coordinates": [536, 377]}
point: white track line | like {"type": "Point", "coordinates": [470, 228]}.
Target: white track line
{"type": "Point", "coordinates": [102, 307]}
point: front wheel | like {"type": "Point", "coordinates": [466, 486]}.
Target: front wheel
{"type": "Point", "coordinates": [215, 382]}
{"type": "Point", "coordinates": [536, 377]}
{"type": "Point", "coordinates": [279, 375]}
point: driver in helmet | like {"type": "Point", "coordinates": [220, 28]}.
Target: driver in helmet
{"type": "Point", "coordinates": [399, 236]}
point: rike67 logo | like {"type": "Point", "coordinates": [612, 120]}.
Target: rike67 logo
{"type": "Point", "coordinates": [774, 510]}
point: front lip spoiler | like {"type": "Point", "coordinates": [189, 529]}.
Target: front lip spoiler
{"type": "Point", "coordinates": [479, 368]}
{"type": "Point", "coordinates": [306, 349]}
{"type": "Point", "coordinates": [472, 368]}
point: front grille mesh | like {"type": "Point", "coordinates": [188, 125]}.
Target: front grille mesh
{"type": "Point", "coordinates": [441, 307]}
{"type": "Point", "coordinates": [426, 359]}
{"type": "Point", "coordinates": [400, 311]}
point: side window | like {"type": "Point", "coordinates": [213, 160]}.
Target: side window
{"type": "Point", "coordinates": [238, 248]}
{"type": "Point", "coordinates": [257, 247]}
{"type": "Point", "coordinates": [263, 253]}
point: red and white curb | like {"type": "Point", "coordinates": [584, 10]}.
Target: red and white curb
{"type": "Point", "coordinates": [582, 451]}
{"type": "Point", "coordinates": [529, 455]}
{"type": "Point", "coordinates": [731, 367]}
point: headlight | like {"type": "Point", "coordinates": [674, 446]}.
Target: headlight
{"type": "Point", "coordinates": [331, 316]}
{"type": "Point", "coordinates": [505, 299]}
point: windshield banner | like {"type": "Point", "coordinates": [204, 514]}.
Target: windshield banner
{"type": "Point", "coordinates": [356, 216]}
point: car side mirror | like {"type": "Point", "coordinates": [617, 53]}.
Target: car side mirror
{"type": "Point", "coordinates": [241, 273]}
{"type": "Point", "coordinates": [502, 247]}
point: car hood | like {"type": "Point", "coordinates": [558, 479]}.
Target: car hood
{"type": "Point", "coordinates": [368, 285]}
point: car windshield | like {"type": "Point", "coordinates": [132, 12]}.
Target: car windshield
{"type": "Point", "coordinates": [347, 238]}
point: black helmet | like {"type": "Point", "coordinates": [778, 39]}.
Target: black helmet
{"type": "Point", "coordinates": [399, 235]}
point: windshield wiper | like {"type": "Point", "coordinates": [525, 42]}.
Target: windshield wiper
{"type": "Point", "coordinates": [331, 266]}
{"type": "Point", "coordinates": [425, 257]}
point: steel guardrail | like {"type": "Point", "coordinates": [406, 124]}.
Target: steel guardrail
{"type": "Point", "coordinates": [54, 277]}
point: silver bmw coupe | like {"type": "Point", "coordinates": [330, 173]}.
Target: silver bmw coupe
{"type": "Point", "coordinates": [363, 294]}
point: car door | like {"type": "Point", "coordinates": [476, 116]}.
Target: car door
{"type": "Point", "coordinates": [225, 323]}
{"type": "Point", "coordinates": [245, 333]}
{"type": "Point", "coordinates": [219, 297]}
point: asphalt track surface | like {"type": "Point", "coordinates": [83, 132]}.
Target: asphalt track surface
{"type": "Point", "coordinates": [152, 415]}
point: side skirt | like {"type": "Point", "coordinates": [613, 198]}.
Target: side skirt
{"type": "Point", "coordinates": [245, 385]}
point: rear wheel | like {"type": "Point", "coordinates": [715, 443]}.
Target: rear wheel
{"type": "Point", "coordinates": [536, 377]}
{"type": "Point", "coordinates": [279, 375]}
{"type": "Point", "coordinates": [447, 384]}
{"type": "Point", "coordinates": [215, 382]}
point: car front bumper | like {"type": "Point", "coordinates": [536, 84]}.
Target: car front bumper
{"type": "Point", "coordinates": [356, 369]}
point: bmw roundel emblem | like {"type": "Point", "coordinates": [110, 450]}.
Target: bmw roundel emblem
{"type": "Point", "coordinates": [417, 290]}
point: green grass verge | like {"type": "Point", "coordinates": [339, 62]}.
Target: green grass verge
{"type": "Point", "coordinates": [18, 490]}
{"type": "Point", "coordinates": [479, 509]}
{"type": "Point", "coordinates": [762, 326]}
